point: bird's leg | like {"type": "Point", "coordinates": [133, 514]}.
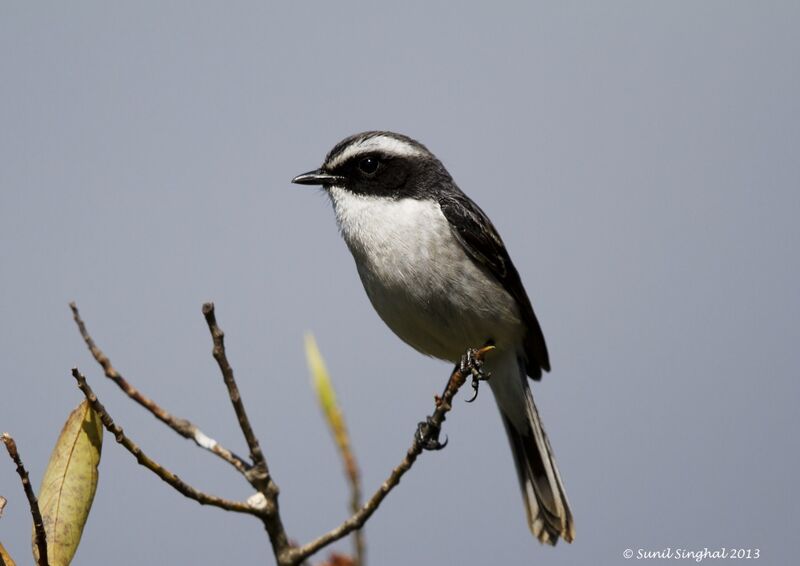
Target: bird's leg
{"type": "Point", "coordinates": [471, 365]}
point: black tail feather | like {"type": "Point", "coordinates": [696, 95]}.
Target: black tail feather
{"type": "Point", "coordinates": [549, 515]}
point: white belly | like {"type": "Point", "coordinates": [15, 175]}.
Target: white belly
{"type": "Point", "coordinates": [419, 278]}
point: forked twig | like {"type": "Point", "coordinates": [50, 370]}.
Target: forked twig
{"type": "Point", "coordinates": [259, 475]}
{"type": "Point", "coordinates": [265, 506]}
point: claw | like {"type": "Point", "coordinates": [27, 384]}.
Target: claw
{"type": "Point", "coordinates": [436, 444]}
{"type": "Point", "coordinates": [475, 384]}
{"type": "Point", "coordinates": [470, 364]}
{"type": "Point", "coordinates": [428, 435]}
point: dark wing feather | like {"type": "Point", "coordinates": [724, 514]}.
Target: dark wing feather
{"type": "Point", "coordinates": [482, 242]}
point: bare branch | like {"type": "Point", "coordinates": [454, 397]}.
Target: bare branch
{"type": "Point", "coordinates": [259, 475]}
{"type": "Point", "coordinates": [40, 538]}
{"type": "Point", "coordinates": [264, 504]}
{"type": "Point", "coordinates": [354, 479]}
{"type": "Point", "coordinates": [173, 480]}
{"type": "Point", "coordinates": [357, 520]}
{"type": "Point", "coordinates": [218, 337]}
{"type": "Point", "coordinates": [184, 427]}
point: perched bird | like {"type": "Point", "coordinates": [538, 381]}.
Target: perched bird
{"type": "Point", "coordinates": [439, 276]}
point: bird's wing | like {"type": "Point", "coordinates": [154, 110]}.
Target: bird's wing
{"type": "Point", "coordinates": [482, 242]}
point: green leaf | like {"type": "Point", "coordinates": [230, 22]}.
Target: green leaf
{"type": "Point", "coordinates": [69, 484]}
{"type": "Point", "coordinates": [5, 559]}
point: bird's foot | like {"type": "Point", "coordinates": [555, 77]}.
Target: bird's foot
{"type": "Point", "coordinates": [472, 365]}
{"type": "Point", "coordinates": [428, 435]}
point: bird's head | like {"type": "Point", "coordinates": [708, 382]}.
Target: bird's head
{"type": "Point", "coordinates": [380, 164]}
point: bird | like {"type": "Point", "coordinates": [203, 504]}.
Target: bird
{"type": "Point", "coordinates": [438, 274]}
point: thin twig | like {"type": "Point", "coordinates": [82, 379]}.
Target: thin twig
{"type": "Point", "coordinates": [342, 440]}
{"type": "Point", "coordinates": [40, 538]}
{"type": "Point", "coordinates": [334, 418]}
{"type": "Point", "coordinates": [184, 427]}
{"type": "Point", "coordinates": [357, 520]}
{"type": "Point", "coordinates": [218, 337]}
{"type": "Point", "coordinates": [259, 475]}
{"type": "Point", "coordinates": [167, 476]}
{"type": "Point", "coordinates": [354, 479]}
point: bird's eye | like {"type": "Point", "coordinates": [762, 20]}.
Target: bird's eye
{"type": "Point", "coordinates": [369, 165]}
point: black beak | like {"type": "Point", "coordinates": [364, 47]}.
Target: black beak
{"type": "Point", "coordinates": [317, 177]}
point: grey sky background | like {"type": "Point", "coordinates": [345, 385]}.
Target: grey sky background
{"type": "Point", "coordinates": [639, 159]}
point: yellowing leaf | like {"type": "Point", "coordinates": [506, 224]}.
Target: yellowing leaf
{"type": "Point", "coordinates": [325, 393]}
{"type": "Point", "coordinates": [319, 374]}
{"type": "Point", "coordinates": [5, 559]}
{"type": "Point", "coordinates": [69, 484]}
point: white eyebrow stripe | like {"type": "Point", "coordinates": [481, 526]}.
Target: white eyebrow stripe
{"type": "Point", "coordinates": [383, 144]}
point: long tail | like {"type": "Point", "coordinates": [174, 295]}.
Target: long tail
{"type": "Point", "coordinates": [549, 515]}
